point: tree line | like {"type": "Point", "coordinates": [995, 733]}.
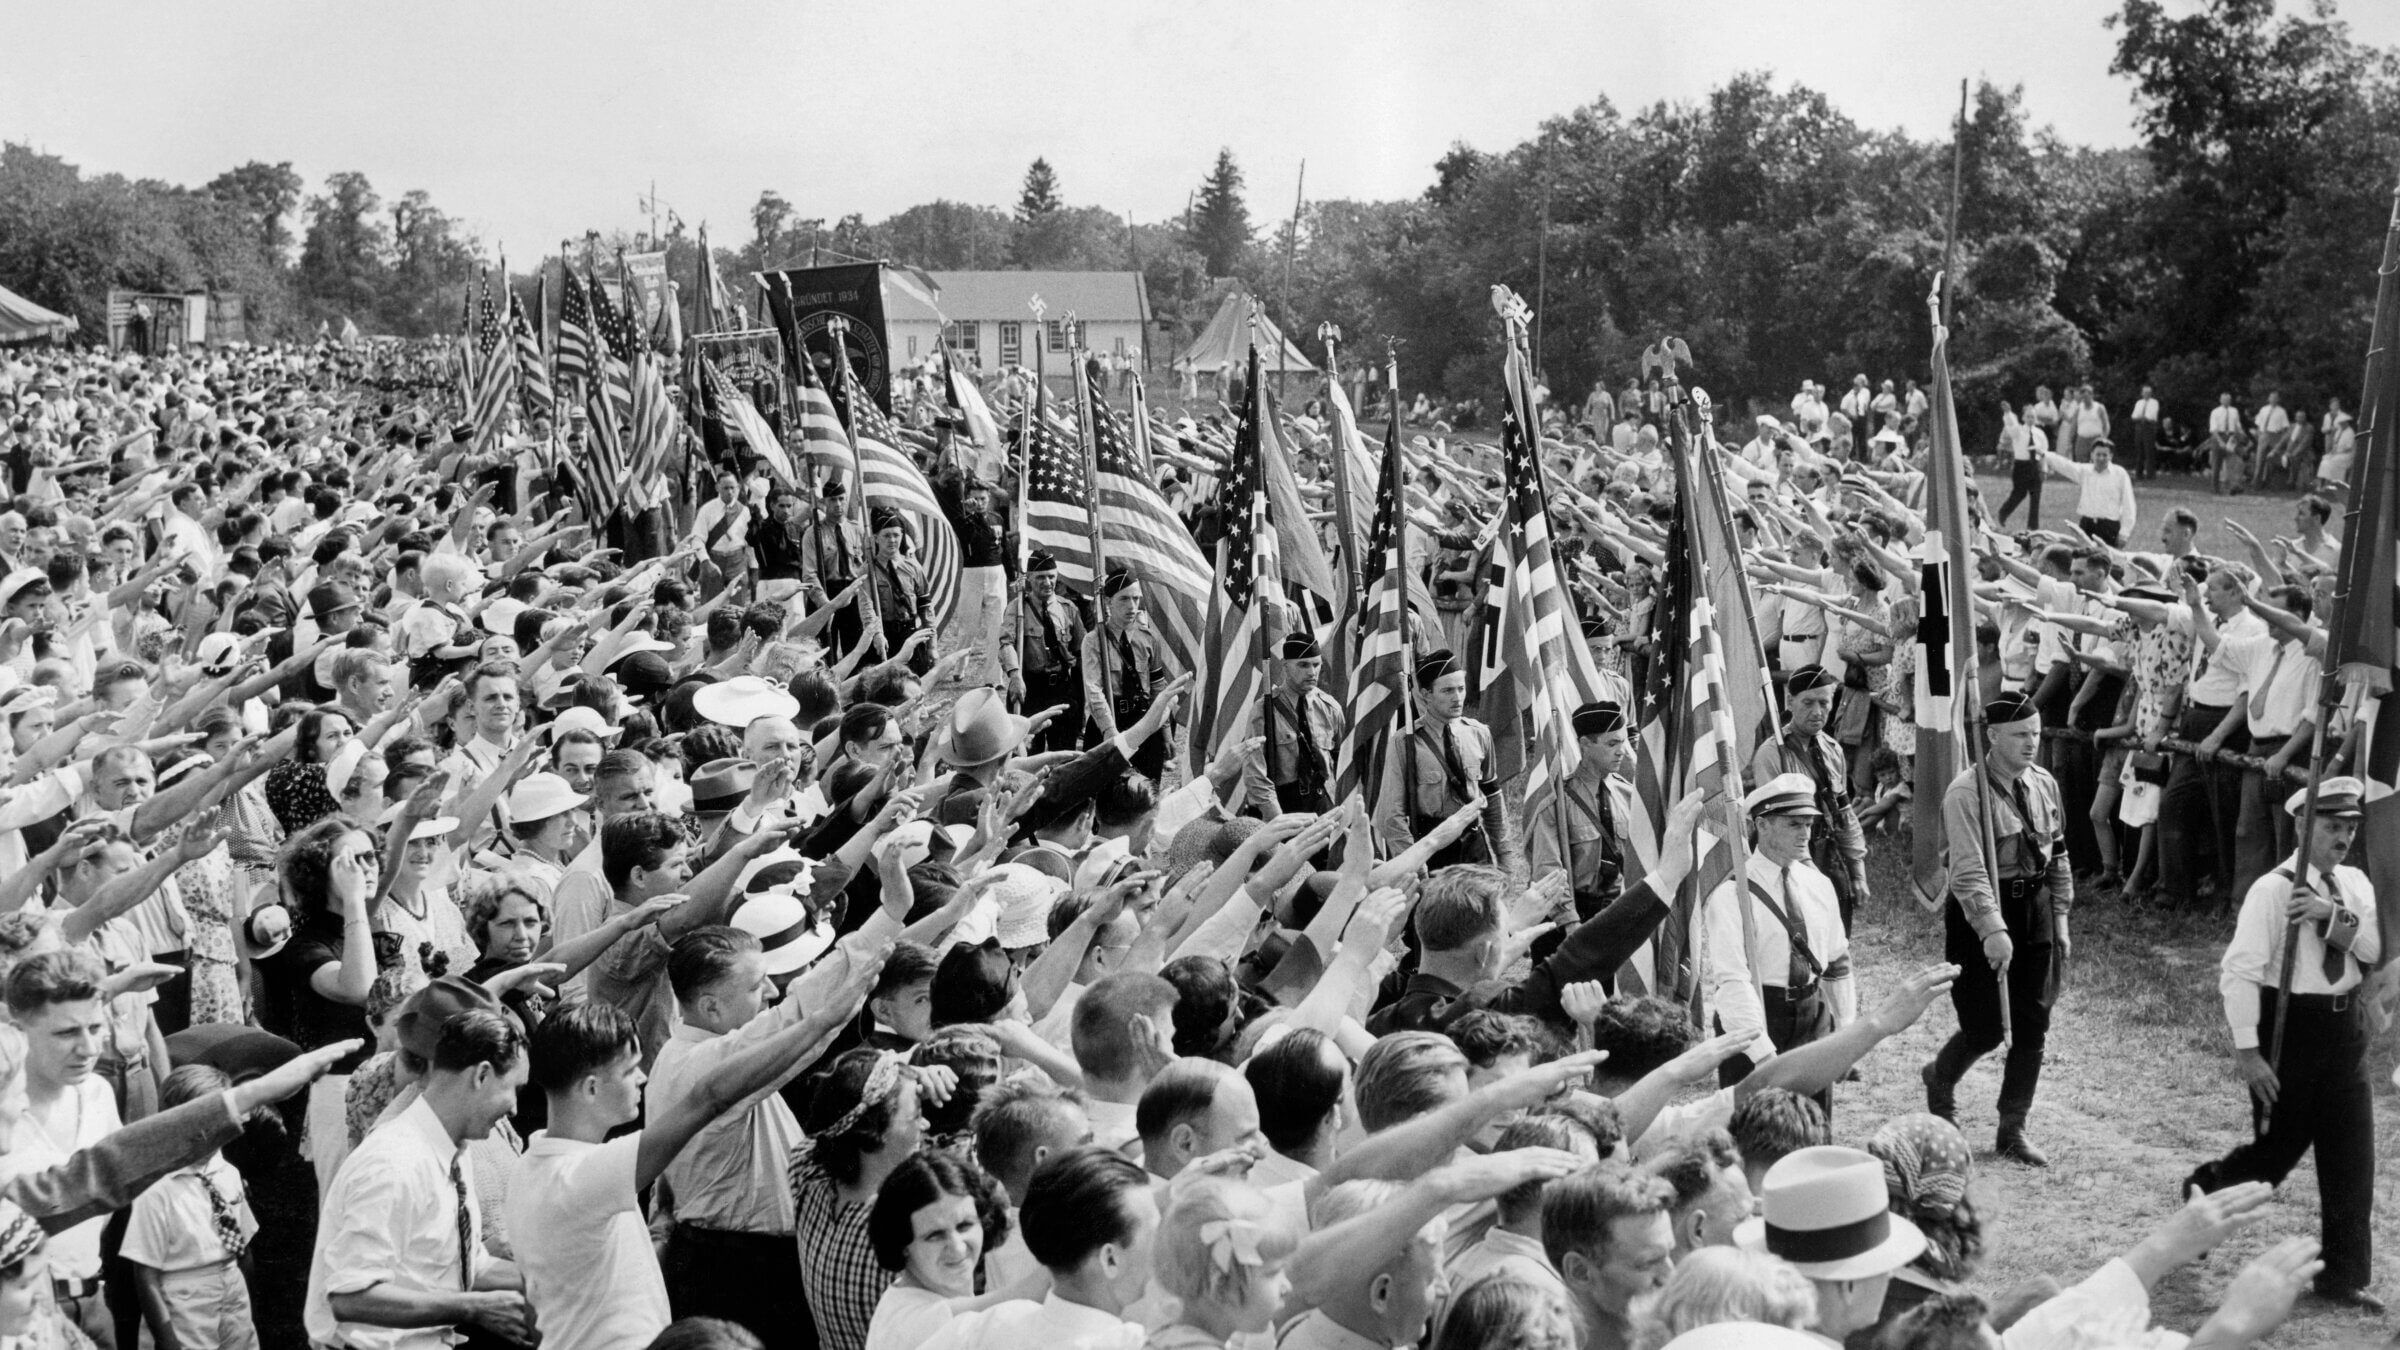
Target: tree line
{"type": "Point", "coordinates": [2233, 249]}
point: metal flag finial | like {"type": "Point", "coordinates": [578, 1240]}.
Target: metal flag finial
{"type": "Point", "coordinates": [1038, 307]}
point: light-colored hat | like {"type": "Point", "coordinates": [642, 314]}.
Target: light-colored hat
{"type": "Point", "coordinates": [2343, 798]}
{"type": "Point", "coordinates": [539, 796]}
{"type": "Point", "coordinates": [1826, 1210]}
{"type": "Point", "coordinates": [217, 653]}
{"type": "Point", "coordinates": [742, 700]}
{"type": "Point", "coordinates": [1025, 896]}
{"type": "Point", "coordinates": [1786, 794]}
{"type": "Point", "coordinates": [1744, 1336]}
{"type": "Point", "coordinates": [580, 718]}
{"type": "Point", "coordinates": [436, 828]}
{"type": "Point", "coordinates": [500, 616]}
{"type": "Point", "coordinates": [344, 765]}
{"type": "Point", "coordinates": [980, 730]}
{"type": "Point", "coordinates": [780, 922]}
{"type": "Point", "coordinates": [638, 643]}
{"type": "Point", "coordinates": [19, 580]}
{"type": "Point", "coordinates": [1099, 866]}
{"type": "Point", "coordinates": [263, 931]}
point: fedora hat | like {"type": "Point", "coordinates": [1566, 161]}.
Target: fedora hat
{"type": "Point", "coordinates": [980, 730]}
{"type": "Point", "coordinates": [263, 931]}
{"type": "Point", "coordinates": [539, 796]}
{"type": "Point", "coordinates": [788, 933]}
{"type": "Point", "coordinates": [1826, 1211]}
{"type": "Point", "coordinates": [721, 784]}
{"type": "Point", "coordinates": [742, 700]}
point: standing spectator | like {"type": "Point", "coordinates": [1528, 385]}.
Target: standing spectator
{"type": "Point", "coordinates": [2145, 434]}
{"type": "Point", "coordinates": [2091, 423]}
{"type": "Point", "coordinates": [186, 1237]}
{"type": "Point", "coordinates": [2104, 509]}
{"type": "Point", "coordinates": [2274, 427]}
{"type": "Point", "coordinates": [55, 999]}
{"type": "Point", "coordinates": [2224, 445]}
{"type": "Point", "coordinates": [2025, 447]}
{"type": "Point", "coordinates": [1858, 404]}
{"type": "Point", "coordinates": [2069, 435]}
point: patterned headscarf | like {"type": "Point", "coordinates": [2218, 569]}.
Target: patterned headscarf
{"type": "Point", "coordinates": [1925, 1161]}
{"type": "Point", "coordinates": [20, 1236]}
{"type": "Point", "coordinates": [298, 796]}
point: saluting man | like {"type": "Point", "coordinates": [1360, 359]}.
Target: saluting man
{"type": "Point", "coordinates": [1599, 814]}
{"type": "Point", "coordinates": [1041, 650]}
{"type": "Point", "coordinates": [1122, 670]}
{"type": "Point", "coordinates": [1446, 763]}
{"type": "Point", "coordinates": [2015, 922]}
{"type": "Point", "coordinates": [1836, 844]}
{"type": "Point", "coordinates": [1302, 728]}
{"type": "Point", "coordinates": [832, 550]}
{"type": "Point", "coordinates": [1801, 990]}
{"type": "Point", "coordinates": [2319, 1097]}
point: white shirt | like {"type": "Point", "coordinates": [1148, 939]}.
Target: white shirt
{"type": "Point", "coordinates": [2107, 493]}
{"type": "Point", "coordinates": [91, 1108]}
{"type": "Point", "coordinates": [906, 1317]}
{"type": "Point", "coordinates": [2255, 957]}
{"type": "Point", "coordinates": [2217, 675]}
{"type": "Point", "coordinates": [2224, 420]}
{"type": "Point", "coordinates": [391, 1217]}
{"type": "Point", "coordinates": [2279, 682]}
{"type": "Point", "coordinates": [1052, 1324]}
{"type": "Point", "coordinates": [1112, 1124]}
{"type": "Point", "coordinates": [2272, 420]}
{"type": "Point", "coordinates": [589, 1269]}
{"type": "Point", "coordinates": [2145, 410]}
{"type": "Point", "coordinates": [1727, 976]}
{"type": "Point", "coordinates": [174, 1225]}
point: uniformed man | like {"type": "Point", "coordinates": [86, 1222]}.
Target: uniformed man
{"type": "Point", "coordinates": [1599, 813]}
{"type": "Point", "coordinates": [1122, 670]}
{"type": "Point", "coordinates": [1447, 762]}
{"type": "Point", "coordinates": [723, 525]}
{"type": "Point", "coordinates": [2318, 1097]}
{"type": "Point", "coordinates": [901, 595]}
{"type": "Point", "coordinates": [1041, 651]}
{"type": "Point", "coordinates": [2011, 926]}
{"type": "Point", "coordinates": [832, 551]}
{"type": "Point", "coordinates": [1799, 990]}
{"type": "Point", "coordinates": [1836, 844]}
{"type": "Point", "coordinates": [1302, 728]}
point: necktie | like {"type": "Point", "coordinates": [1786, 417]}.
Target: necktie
{"type": "Point", "coordinates": [2258, 698]}
{"type": "Point", "coordinates": [1450, 761]}
{"type": "Point", "coordinates": [1050, 643]}
{"type": "Point", "coordinates": [2336, 962]}
{"type": "Point", "coordinates": [841, 544]}
{"type": "Point", "coordinates": [1608, 820]}
{"type": "Point", "coordinates": [1130, 683]}
{"type": "Point", "coordinates": [221, 1216]}
{"type": "Point", "coordinates": [466, 1221]}
{"type": "Point", "coordinates": [1311, 759]}
{"type": "Point", "coordinates": [1796, 974]}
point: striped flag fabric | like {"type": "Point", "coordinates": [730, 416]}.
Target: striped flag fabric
{"type": "Point", "coordinates": [748, 422]}
{"type": "Point", "coordinates": [968, 409]}
{"type": "Point", "coordinates": [1140, 530]}
{"type": "Point", "coordinates": [1945, 683]}
{"type": "Point", "coordinates": [650, 426]}
{"type": "Point", "coordinates": [533, 376]}
{"type": "Point", "coordinates": [1249, 573]}
{"type": "Point", "coordinates": [607, 466]}
{"type": "Point", "coordinates": [575, 331]}
{"type": "Point", "coordinates": [1378, 639]}
{"type": "Point", "coordinates": [1057, 515]}
{"type": "Point", "coordinates": [894, 480]}
{"type": "Point", "coordinates": [494, 370]}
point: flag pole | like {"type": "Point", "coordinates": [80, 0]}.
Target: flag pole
{"type": "Point", "coordinates": [869, 605]}
{"type": "Point", "coordinates": [1291, 245]}
{"type": "Point", "coordinates": [1395, 470]}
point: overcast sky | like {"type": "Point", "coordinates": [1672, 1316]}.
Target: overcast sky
{"type": "Point", "coordinates": [536, 121]}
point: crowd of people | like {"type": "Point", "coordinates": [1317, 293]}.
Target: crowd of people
{"type": "Point", "coordinates": [675, 951]}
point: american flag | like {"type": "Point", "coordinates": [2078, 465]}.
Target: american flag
{"type": "Point", "coordinates": [1690, 741]}
{"type": "Point", "coordinates": [495, 370]}
{"type": "Point", "coordinates": [1140, 530]}
{"type": "Point", "coordinates": [575, 329]}
{"type": "Point", "coordinates": [893, 480]}
{"type": "Point", "coordinates": [1379, 663]}
{"type": "Point", "coordinates": [1546, 659]}
{"type": "Point", "coordinates": [470, 361]}
{"type": "Point", "coordinates": [748, 421]}
{"type": "Point", "coordinates": [1249, 574]}
{"type": "Point", "coordinates": [608, 405]}
{"type": "Point", "coordinates": [533, 377]}
{"type": "Point", "coordinates": [1058, 499]}
{"type": "Point", "coordinates": [652, 425]}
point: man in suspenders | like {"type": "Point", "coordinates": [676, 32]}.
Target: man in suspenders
{"type": "Point", "coordinates": [2006, 921]}
{"type": "Point", "coordinates": [1836, 844]}
{"type": "Point", "coordinates": [1302, 726]}
{"type": "Point", "coordinates": [1800, 990]}
{"type": "Point", "coordinates": [2318, 1099]}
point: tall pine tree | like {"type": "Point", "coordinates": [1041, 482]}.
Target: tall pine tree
{"type": "Point", "coordinates": [1220, 227]}
{"type": "Point", "coordinates": [1037, 242]}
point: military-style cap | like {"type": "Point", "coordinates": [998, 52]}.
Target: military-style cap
{"type": "Point", "coordinates": [2009, 709]}
{"type": "Point", "coordinates": [1300, 647]}
{"type": "Point", "coordinates": [1813, 677]}
{"type": "Point", "coordinates": [1599, 719]}
{"type": "Point", "coordinates": [1434, 665]}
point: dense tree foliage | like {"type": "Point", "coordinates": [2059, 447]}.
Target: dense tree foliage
{"type": "Point", "coordinates": [2235, 248]}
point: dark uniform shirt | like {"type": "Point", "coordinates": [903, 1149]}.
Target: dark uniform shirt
{"type": "Point", "coordinates": [1293, 771]}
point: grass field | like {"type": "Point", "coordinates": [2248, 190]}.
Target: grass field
{"type": "Point", "coordinates": [2139, 1085]}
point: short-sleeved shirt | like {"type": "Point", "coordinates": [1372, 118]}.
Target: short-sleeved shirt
{"type": "Point", "coordinates": [576, 1221]}
{"type": "Point", "coordinates": [294, 1009]}
{"type": "Point", "coordinates": [837, 1264]}
{"type": "Point", "coordinates": [174, 1223]}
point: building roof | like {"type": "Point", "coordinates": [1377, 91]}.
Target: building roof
{"type": "Point", "coordinates": [1094, 297]}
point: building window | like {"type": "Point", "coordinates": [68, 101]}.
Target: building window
{"type": "Point", "coordinates": [1060, 339]}
{"type": "Point", "coordinates": [962, 337]}
{"type": "Point", "coordinates": [1012, 343]}
{"type": "Point", "coordinates": [1120, 346]}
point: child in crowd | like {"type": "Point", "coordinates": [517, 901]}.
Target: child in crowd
{"type": "Point", "coordinates": [186, 1237]}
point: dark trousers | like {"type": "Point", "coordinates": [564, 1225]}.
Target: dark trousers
{"type": "Point", "coordinates": [2108, 532]}
{"type": "Point", "coordinates": [2024, 485]}
{"type": "Point", "coordinates": [1062, 689]}
{"type": "Point", "coordinates": [1791, 1023]}
{"type": "Point", "coordinates": [2322, 1102]}
{"type": "Point", "coordinates": [2145, 448]}
{"type": "Point", "coordinates": [2032, 988]}
{"type": "Point", "coordinates": [2265, 833]}
{"type": "Point", "coordinates": [2199, 814]}
{"type": "Point", "coordinates": [749, 1278]}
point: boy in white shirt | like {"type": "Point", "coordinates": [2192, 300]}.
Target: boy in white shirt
{"type": "Point", "coordinates": [186, 1237]}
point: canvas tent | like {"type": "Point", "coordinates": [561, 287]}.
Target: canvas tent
{"type": "Point", "coordinates": [1224, 345]}
{"type": "Point", "coordinates": [21, 320]}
